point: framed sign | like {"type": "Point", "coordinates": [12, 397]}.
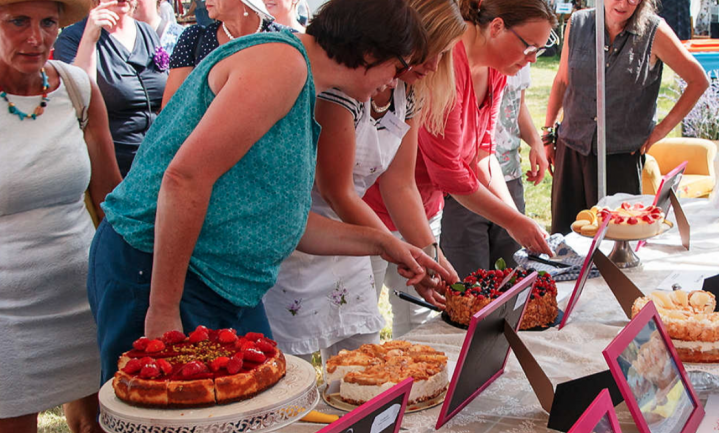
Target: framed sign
{"type": "Point", "coordinates": [669, 183]}
{"type": "Point", "coordinates": [599, 417]}
{"type": "Point", "coordinates": [651, 377]}
{"type": "Point", "coordinates": [382, 414]}
{"type": "Point", "coordinates": [584, 273]}
{"type": "Point", "coordinates": [486, 348]}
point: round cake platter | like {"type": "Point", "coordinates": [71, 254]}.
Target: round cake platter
{"type": "Point", "coordinates": [333, 398]}
{"type": "Point", "coordinates": [622, 254]}
{"type": "Point", "coordinates": [286, 402]}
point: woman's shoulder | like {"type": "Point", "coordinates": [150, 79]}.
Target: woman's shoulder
{"type": "Point", "coordinates": [582, 16]}
{"type": "Point", "coordinates": [343, 100]}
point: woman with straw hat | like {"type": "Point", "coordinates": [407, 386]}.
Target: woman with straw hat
{"type": "Point", "coordinates": [47, 162]}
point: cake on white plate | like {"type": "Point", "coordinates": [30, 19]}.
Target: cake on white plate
{"type": "Point", "coordinates": [690, 320]}
{"type": "Point", "coordinates": [374, 368]}
{"type": "Point", "coordinates": [628, 221]}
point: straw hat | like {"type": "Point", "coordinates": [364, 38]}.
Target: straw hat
{"type": "Point", "coordinates": [72, 10]}
{"type": "Point", "coordinates": [257, 6]}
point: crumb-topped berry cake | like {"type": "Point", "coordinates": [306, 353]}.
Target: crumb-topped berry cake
{"type": "Point", "coordinates": [205, 368]}
{"type": "Point", "coordinates": [480, 288]}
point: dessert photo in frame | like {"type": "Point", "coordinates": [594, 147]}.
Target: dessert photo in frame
{"type": "Point", "coordinates": [382, 414]}
{"type": "Point", "coordinates": [584, 273]}
{"type": "Point", "coordinates": [651, 377]}
{"type": "Point", "coordinates": [485, 349]}
{"type": "Point", "coordinates": [599, 417]}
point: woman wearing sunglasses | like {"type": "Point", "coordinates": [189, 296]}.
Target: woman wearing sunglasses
{"type": "Point", "coordinates": [330, 303]}
{"type": "Point", "coordinates": [637, 44]}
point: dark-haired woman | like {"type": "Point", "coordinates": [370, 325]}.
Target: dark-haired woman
{"type": "Point", "coordinates": [198, 229]}
{"type": "Point", "coordinates": [638, 43]}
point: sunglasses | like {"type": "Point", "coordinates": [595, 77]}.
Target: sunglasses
{"type": "Point", "coordinates": [404, 69]}
{"type": "Point", "coordinates": [529, 50]}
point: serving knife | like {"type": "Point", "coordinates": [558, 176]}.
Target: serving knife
{"type": "Point", "coordinates": [538, 259]}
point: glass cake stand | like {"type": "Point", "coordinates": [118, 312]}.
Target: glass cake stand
{"type": "Point", "coordinates": [623, 254]}
{"type": "Point", "coordinates": [289, 400]}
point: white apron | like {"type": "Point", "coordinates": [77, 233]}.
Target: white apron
{"type": "Point", "coordinates": [320, 300]}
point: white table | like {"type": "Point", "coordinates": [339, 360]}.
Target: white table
{"type": "Point", "coordinates": [509, 404]}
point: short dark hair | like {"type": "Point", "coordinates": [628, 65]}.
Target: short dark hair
{"type": "Point", "coordinates": [512, 12]}
{"type": "Point", "coordinates": [349, 30]}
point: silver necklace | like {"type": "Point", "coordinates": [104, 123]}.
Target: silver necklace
{"type": "Point", "coordinates": [229, 35]}
{"type": "Point", "coordinates": [380, 110]}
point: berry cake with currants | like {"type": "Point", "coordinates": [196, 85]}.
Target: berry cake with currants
{"type": "Point", "coordinates": [480, 288]}
{"type": "Point", "coordinates": [207, 367]}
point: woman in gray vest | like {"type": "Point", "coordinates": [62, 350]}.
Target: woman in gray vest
{"type": "Point", "coordinates": [638, 43]}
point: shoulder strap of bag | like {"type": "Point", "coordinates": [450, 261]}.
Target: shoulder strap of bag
{"type": "Point", "coordinates": [73, 92]}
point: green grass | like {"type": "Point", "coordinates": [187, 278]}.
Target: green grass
{"type": "Point", "coordinates": [538, 198]}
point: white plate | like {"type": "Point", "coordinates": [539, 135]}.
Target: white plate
{"type": "Point", "coordinates": [287, 401]}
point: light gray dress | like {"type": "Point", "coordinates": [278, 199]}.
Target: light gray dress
{"type": "Point", "coordinates": [48, 353]}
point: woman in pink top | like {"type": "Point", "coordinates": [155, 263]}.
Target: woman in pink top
{"type": "Point", "coordinates": [501, 38]}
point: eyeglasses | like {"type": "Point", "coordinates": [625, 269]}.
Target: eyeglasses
{"type": "Point", "coordinates": [528, 49]}
{"type": "Point", "coordinates": [404, 69]}
{"type": "Point", "coordinates": [631, 2]}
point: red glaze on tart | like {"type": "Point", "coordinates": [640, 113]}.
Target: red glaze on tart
{"type": "Point", "coordinates": [204, 368]}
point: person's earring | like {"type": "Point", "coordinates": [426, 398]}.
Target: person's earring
{"type": "Point", "coordinates": [245, 14]}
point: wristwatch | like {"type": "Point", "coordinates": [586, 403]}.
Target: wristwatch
{"type": "Point", "coordinates": [432, 250]}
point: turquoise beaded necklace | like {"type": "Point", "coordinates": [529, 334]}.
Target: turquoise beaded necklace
{"type": "Point", "coordinates": [12, 109]}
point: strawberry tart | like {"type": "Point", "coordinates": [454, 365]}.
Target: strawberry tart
{"type": "Point", "coordinates": [207, 367]}
{"type": "Point", "coordinates": [480, 288]}
{"type": "Point", "coordinates": [632, 221]}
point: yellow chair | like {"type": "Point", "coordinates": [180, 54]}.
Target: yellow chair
{"type": "Point", "coordinates": [699, 177]}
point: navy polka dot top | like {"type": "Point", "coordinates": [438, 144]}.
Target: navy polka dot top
{"type": "Point", "coordinates": [197, 41]}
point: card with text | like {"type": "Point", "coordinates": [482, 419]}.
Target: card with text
{"type": "Point", "coordinates": [382, 414]}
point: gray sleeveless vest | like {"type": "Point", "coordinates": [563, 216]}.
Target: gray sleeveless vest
{"type": "Point", "coordinates": [632, 87]}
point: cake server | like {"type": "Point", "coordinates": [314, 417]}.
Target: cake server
{"type": "Point", "coordinates": [416, 300]}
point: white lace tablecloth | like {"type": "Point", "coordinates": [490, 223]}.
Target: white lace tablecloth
{"type": "Point", "coordinates": [509, 404]}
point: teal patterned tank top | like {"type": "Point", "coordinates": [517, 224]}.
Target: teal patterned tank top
{"type": "Point", "coordinates": [258, 209]}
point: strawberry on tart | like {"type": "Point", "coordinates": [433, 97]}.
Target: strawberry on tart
{"type": "Point", "coordinates": [207, 367]}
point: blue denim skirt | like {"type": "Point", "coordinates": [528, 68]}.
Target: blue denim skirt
{"type": "Point", "coordinates": [118, 288]}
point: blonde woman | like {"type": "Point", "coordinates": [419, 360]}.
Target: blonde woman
{"type": "Point", "coordinates": [330, 303]}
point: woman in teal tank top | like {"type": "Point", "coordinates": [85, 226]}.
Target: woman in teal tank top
{"type": "Point", "coordinates": [219, 193]}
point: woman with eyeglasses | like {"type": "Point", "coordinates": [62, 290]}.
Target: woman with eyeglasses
{"type": "Point", "coordinates": [637, 44]}
{"type": "Point", "coordinates": [330, 303]}
{"type": "Point", "coordinates": [501, 37]}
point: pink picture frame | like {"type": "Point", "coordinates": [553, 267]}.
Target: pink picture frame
{"type": "Point", "coordinates": [663, 193]}
{"type": "Point", "coordinates": [360, 417]}
{"type": "Point", "coordinates": [645, 365]}
{"type": "Point", "coordinates": [523, 288]}
{"type": "Point", "coordinates": [584, 273]}
{"type": "Point", "coordinates": [601, 410]}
